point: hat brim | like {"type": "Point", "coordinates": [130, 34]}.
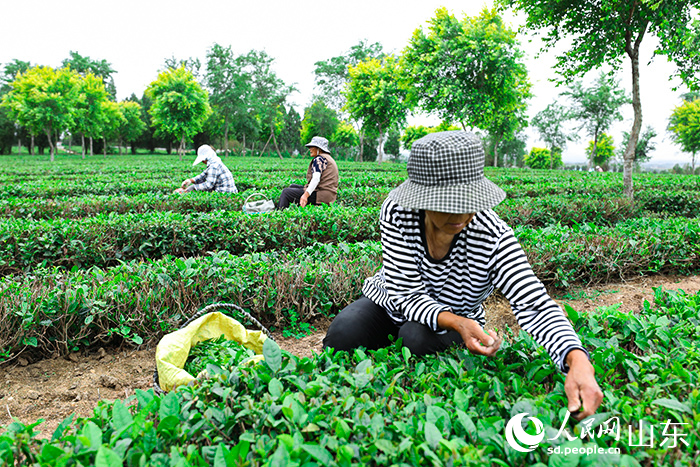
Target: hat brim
{"type": "Point", "coordinates": [200, 158]}
{"type": "Point", "coordinates": [455, 199]}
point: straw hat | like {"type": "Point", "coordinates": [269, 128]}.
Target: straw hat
{"type": "Point", "coordinates": [319, 142]}
{"type": "Point", "coordinates": [446, 174]}
{"type": "Point", "coordinates": [203, 153]}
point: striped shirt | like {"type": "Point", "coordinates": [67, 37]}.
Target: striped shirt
{"type": "Point", "coordinates": [216, 177]}
{"type": "Point", "coordinates": [412, 286]}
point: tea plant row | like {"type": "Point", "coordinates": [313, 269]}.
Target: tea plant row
{"type": "Point", "coordinates": [580, 252]}
{"type": "Point", "coordinates": [388, 407]}
{"type": "Point", "coordinates": [61, 311]}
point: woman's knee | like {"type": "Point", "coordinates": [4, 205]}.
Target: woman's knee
{"type": "Point", "coordinates": [421, 340]}
{"type": "Point", "coordinates": [360, 324]}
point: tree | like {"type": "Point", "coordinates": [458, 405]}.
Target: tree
{"type": "Point", "coordinates": [597, 107]}
{"type": "Point", "coordinates": [376, 95]}
{"type": "Point", "coordinates": [541, 158]}
{"type": "Point", "coordinates": [90, 117]}
{"type": "Point", "coordinates": [44, 100]}
{"type": "Point", "coordinates": [468, 71]}
{"type": "Point", "coordinates": [319, 120]}
{"type": "Point", "coordinates": [550, 125]}
{"type": "Point", "coordinates": [100, 68]}
{"type": "Point", "coordinates": [290, 136]}
{"type": "Point", "coordinates": [644, 145]}
{"type": "Point", "coordinates": [131, 126]}
{"type": "Point", "coordinates": [8, 128]}
{"type": "Point", "coordinates": [602, 32]}
{"type": "Point", "coordinates": [180, 105]}
{"type": "Point", "coordinates": [685, 126]}
{"type": "Point", "coordinates": [601, 151]}
{"type": "Point", "coordinates": [512, 150]}
{"type": "Point", "coordinates": [392, 143]}
{"type": "Point", "coordinates": [268, 95]}
{"type": "Point", "coordinates": [230, 87]}
{"type": "Point", "coordinates": [332, 77]}
{"type": "Point", "coordinates": [113, 121]}
{"type": "Point", "coordinates": [344, 140]}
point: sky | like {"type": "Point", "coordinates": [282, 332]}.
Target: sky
{"type": "Point", "coordinates": [136, 37]}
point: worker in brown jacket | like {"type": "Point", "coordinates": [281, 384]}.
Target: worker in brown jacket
{"type": "Point", "coordinates": [321, 179]}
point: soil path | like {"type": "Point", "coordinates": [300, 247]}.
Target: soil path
{"type": "Point", "coordinates": [53, 389]}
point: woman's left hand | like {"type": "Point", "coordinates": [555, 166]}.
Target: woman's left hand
{"type": "Point", "coordinates": [581, 388]}
{"type": "Point", "coordinates": [304, 200]}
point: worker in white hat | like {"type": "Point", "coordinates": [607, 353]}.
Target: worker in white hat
{"type": "Point", "coordinates": [216, 177]}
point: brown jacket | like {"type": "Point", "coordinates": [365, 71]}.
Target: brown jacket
{"type": "Point", "coordinates": [327, 189]}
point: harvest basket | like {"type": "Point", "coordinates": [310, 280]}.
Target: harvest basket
{"type": "Point", "coordinates": [231, 311]}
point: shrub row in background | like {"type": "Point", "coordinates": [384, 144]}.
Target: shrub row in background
{"type": "Point", "coordinates": [106, 240]}
{"type": "Point", "coordinates": [564, 254]}
{"type": "Point", "coordinates": [56, 310]}
{"type": "Point", "coordinates": [388, 407]}
{"type": "Point", "coordinates": [53, 311]}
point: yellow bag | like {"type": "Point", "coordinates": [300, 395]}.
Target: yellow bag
{"type": "Point", "coordinates": [174, 348]}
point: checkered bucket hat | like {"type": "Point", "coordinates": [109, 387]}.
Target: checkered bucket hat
{"type": "Point", "coordinates": [319, 142]}
{"type": "Point", "coordinates": [446, 174]}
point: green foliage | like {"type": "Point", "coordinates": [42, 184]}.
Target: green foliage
{"type": "Point", "coordinates": [44, 100]}
{"type": "Point", "coordinates": [685, 125]}
{"type": "Point", "coordinates": [550, 125]}
{"type": "Point", "coordinates": [388, 407]}
{"type": "Point", "coordinates": [219, 352]}
{"type": "Point", "coordinates": [99, 68]}
{"type": "Point", "coordinates": [332, 75]}
{"type": "Point", "coordinates": [602, 151]}
{"type": "Point", "coordinates": [319, 120]}
{"type": "Point", "coordinates": [597, 107]}
{"type": "Point", "coordinates": [376, 95]}
{"type": "Point", "coordinates": [468, 71]}
{"type": "Point", "coordinates": [542, 158]}
{"type": "Point", "coordinates": [644, 145]}
{"type": "Point", "coordinates": [180, 105]}
{"type": "Point", "coordinates": [602, 33]}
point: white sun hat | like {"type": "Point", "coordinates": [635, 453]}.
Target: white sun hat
{"type": "Point", "coordinates": [203, 153]}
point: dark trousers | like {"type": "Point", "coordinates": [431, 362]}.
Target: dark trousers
{"type": "Point", "coordinates": [365, 324]}
{"type": "Point", "coordinates": [292, 194]}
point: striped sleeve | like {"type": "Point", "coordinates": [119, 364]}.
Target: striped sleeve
{"type": "Point", "coordinates": [534, 309]}
{"type": "Point", "coordinates": [403, 281]}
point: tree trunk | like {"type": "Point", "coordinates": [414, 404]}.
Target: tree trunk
{"type": "Point", "coordinates": [361, 152]}
{"type": "Point", "coordinates": [19, 146]}
{"type": "Point", "coordinates": [31, 145]}
{"type": "Point", "coordinates": [51, 148]}
{"type": "Point", "coordinates": [495, 152]}
{"type": "Point", "coordinates": [82, 144]}
{"type": "Point", "coordinates": [92, 153]}
{"type": "Point", "coordinates": [181, 149]}
{"type": "Point", "coordinates": [593, 152]}
{"type": "Point", "coordinates": [380, 149]}
{"type": "Point", "coordinates": [243, 154]}
{"type": "Point", "coordinates": [104, 147]}
{"type": "Point", "coordinates": [225, 136]}
{"type": "Point", "coordinates": [628, 165]}
{"type": "Point", "coordinates": [274, 140]}
{"type": "Point", "coordinates": [268, 142]}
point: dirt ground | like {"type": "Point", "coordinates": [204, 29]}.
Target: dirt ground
{"type": "Point", "coordinates": [53, 389]}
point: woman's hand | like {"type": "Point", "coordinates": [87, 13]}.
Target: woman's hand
{"type": "Point", "coordinates": [475, 339]}
{"type": "Point", "coordinates": [186, 183]}
{"type": "Point", "coordinates": [581, 388]}
{"type": "Point", "coordinates": [304, 200]}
